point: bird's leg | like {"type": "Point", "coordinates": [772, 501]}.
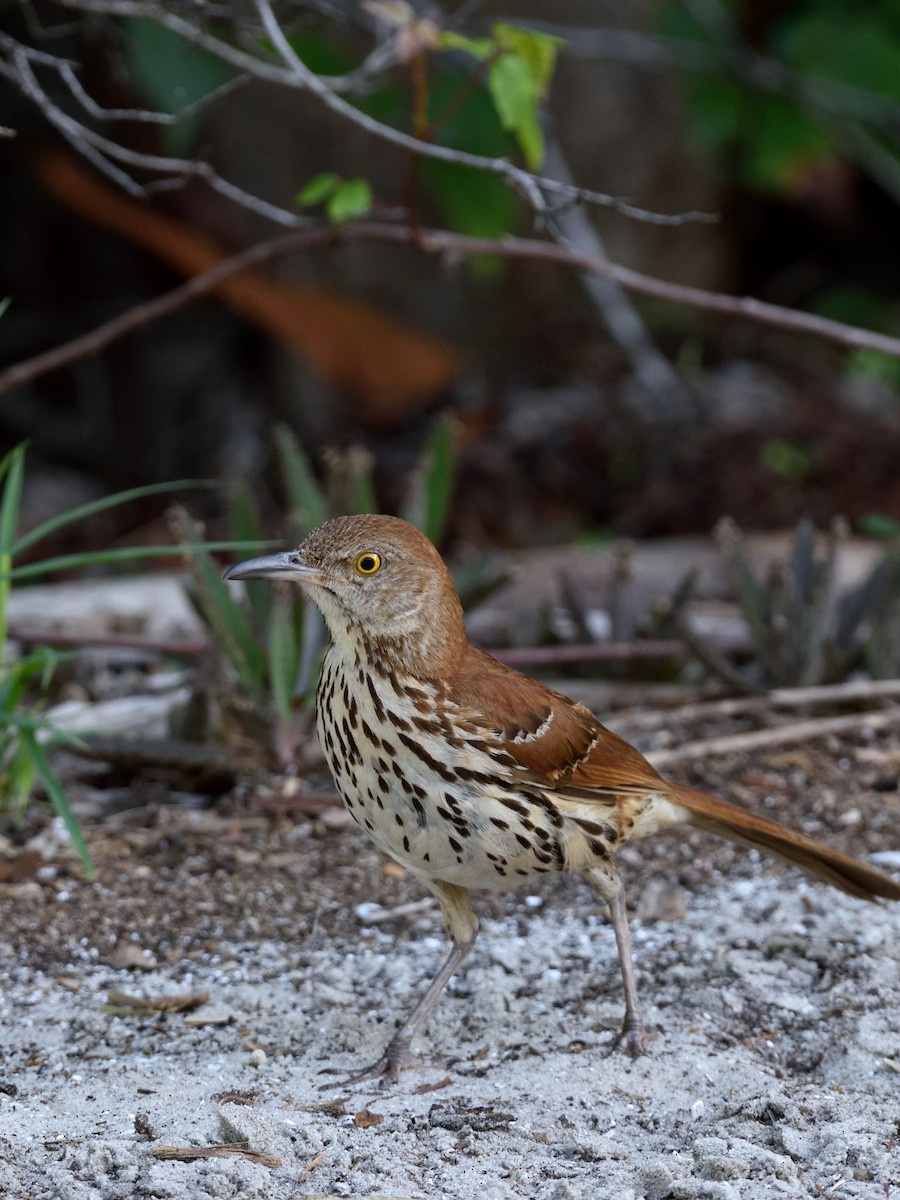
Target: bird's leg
{"type": "Point", "coordinates": [632, 1034]}
{"type": "Point", "coordinates": [606, 883]}
{"type": "Point", "coordinates": [462, 925]}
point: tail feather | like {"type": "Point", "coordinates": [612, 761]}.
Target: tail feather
{"type": "Point", "coordinates": [749, 829]}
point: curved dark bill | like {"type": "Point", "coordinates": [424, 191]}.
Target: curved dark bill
{"type": "Point", "coordinates": [274, 566]}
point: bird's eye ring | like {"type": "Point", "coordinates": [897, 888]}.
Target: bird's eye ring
{"type": "Point", "coordinates": [368, 563]}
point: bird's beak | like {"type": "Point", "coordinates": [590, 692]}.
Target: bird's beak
{"type": "Point", "coordinates": [286, 565]}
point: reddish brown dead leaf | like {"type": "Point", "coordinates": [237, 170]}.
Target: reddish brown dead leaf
{"type": "Point", "coordinates": [365, 1119]}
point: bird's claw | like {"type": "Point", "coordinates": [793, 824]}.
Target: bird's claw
{"type": "Point", "coordinates": [632, 1037]}
{"type": "Point", "coordinates": [387, 1069]}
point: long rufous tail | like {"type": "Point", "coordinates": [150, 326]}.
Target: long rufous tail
{"type": "Point", "coordinates": [748, 829]}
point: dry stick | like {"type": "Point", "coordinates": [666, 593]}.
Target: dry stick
{"type": "Point", "coordinates": [837, 693]}
{"type": "Point", "coordinates": [528, 656]}
{"type": "Point", "coordinates": [440, 242]}
{"type": "Point", "coordinates": [766, 739]}
{"type": "Point", "coordinates": [177, 647]}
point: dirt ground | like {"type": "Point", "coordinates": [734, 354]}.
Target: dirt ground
{"type": "Point", "coordinates": [775, 1006]}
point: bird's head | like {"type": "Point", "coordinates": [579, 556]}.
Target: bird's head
{"type": "Point", "coordinates": [377, 579]}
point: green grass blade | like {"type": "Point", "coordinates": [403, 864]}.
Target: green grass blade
{"type": "Point", "coordinates": [33, 724]}
{"type": "Point", "coordinates": [283, 654]}
{"type": "Point", "coordinates": [6, 460]}
{"type": "Point", "coordinates": [58, 798]}
{"type": "Point", "coordinates": [438, 483]}
{"type": "Point", "coordinates": [20, 772]}
{"type": "Point", "coordinates": [222, 613]}
{"type": "Point", "coordinates": [306, 498]}
{"type": "Point", "coordinates": [95, 506]}
{"type": "Point", "coordinates": [245, 525]}
{"type": "Point", "coordinates": [128, 554]}
{"type": "Point", "coordinates": [362, 483]}
{"type": "Point", "coordinates": [9, 518]}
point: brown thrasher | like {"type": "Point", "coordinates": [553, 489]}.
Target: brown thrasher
{"type": "Point", "coordinates": [473, 776]}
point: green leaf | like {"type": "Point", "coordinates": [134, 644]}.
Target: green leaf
{"type": "Point", "coordinates": [480, 48]}
{"type": "Point", "coordinates": [319, 188]}
{"type": "Point", "coordinates": [4, 304]}
{"type": "Point", "coordinates": [855, 45]}
{"type": "Point", "coordinates": [515, 93]}
{"type": "Point", "coordinates": [222, 612]}
{"type": "Point", "coordinates": [54, 524]}
{"type": "Point", "coordinates": [538, 50]}
{"type": "Point", "coordinates": [878, 525]}
{"type": "Point", "coordinates": [11, 469]}
{"type": "Point", "coordinates": [362, 484]}
{"type": "Point", "coordinates": [11, 472]}
{"type": "Point", "coordinates": [786, 459]}
{"type": "Point", "coordinates": [876, 366]}
{"type": "Point", "coordinates": [126, 554]}
{"type": "Point", "coordinates": [307, 500]}
{"type": "Point", "coordinates": [170, 74]}
{"type": "Point", "coordinates": [283, 654]}
{"type": "Point", "coordinates": [432, 489]}
{"type": "Point", "coordinates": [246, 526]}
{"type": "Point", "coordinates": [350, 199]}
{"type": "Point", "coordinates": [57, 798]}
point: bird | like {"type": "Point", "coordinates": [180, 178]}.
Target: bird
{"type": "Point", "coordinates": [475, 777]}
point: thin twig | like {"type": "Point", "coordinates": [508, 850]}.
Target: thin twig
{"type": "Point", "coordinates": [411, 908]}
{"type": "Point", "coordinates": [529, 656]}
{"type": "Point", "coordinates": [439, 242]}
{"type": "Point", "coordinates": [767, 739]}
{"type": "Point", "coordinates": [811, 697]}
{"type": "Point", "coordinates": [176, 647]}
{"type": "Point", "coordinates": [292, 73]}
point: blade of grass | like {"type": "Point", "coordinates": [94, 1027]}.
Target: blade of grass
{"type": "Point", "coordinates": [58, 799]}
{"type": "Point", "coordinates": [245, 525]}
{"type": "Point", "coordinates": [436, 484]}
{"type": "Point", "coordinates": [20, 772]}
{"type": "Point", "coordinates": [283, 654]}
{"type": "Point", "coordinates": [126, 554]}
{"type": "Point", "coordinates": [306, 498]}
{"type": "Point", "coordinates": [34, 724]}
{"type": "Point", "coordinates": [9, 517]}
{"type": "Point", "coordinates": [95, 506]}
{"type": "Point", "coordinates": [223, 614]}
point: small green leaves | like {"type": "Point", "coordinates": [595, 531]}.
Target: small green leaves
{"type": "Point", "coordinates": [511, 85]}
{"type": "Point", "coordinates": [480, 48]}
{"type": "Point", "coordinates": [521, 64]}
{"type": "Point", "coordinates": [317, 190]}
{"type": "Point", "coordinates": [350, 199]}
{"type": "Point", "coordinates": [344, 199]}
{"type": "Point", "coordinates": [537, 50]}
{"type": "Point", "coordinates": [878, 525]}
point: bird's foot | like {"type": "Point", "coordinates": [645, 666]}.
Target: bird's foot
{"type": "Point", "coordinates": [632, 1037]}
{"type": "Point", "coordinates": [387, 1069]}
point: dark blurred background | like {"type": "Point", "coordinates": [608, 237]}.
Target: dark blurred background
{"type": "Point", "coordinates": [784, 118]}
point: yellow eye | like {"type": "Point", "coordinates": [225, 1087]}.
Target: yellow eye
{"type": "Point", "coordinates": [368, 563]}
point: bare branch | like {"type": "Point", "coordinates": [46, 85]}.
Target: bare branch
{"type": "Point", "coordinates": [293, 73]}
{"type": "Point", "coordinates": [90, 105]}
{"type": "Point", "coordinates": [439, 242]}
{"type": "Point", "coordinates": [106, 154]}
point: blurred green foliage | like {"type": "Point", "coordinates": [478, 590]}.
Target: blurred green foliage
{"type": "Point", "coordinates": [787, 459]}
{"type": "Point", "coordinates": [770, 104]}
{"type": "Point", "coordinates": [483, 96]}
{"type": "Point", "coordinates": [25, 735]}
{"type": "Point", "coordinates": [170, 75]}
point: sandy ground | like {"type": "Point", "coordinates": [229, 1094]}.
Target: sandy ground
{"type": "Point", "coordinates": [774, 1070]}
